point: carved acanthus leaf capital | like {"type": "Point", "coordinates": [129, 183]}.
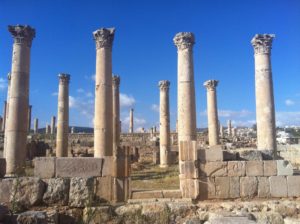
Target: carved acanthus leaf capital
{"type": "Point", "coordinates": [116, 80]}
{"type": "Point", "coordinates": [22, 34]}
{"type": "Point", "coordinates": [211, 84]}
{"type": "Point", "coordinates": [104, 37]}
{"type": "Point", "coordinates": [64, 78]}
{"type": "Point", "coordinates": [164, 85]}
{"type": "Point", "coordinates": [184, 40]}
{"type": "Point", "coordinates": [262, 43]}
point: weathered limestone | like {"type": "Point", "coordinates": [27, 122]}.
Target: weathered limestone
{"type": "Point", "coordinates": [164, 112]}
{"type": "Point", "coordinates": [131, 121]}
{"type": "Point", "coordinates": [53, 121]}
{"type": "Point", "coordinates": [4, 115]}
{"type": "Point", "coordinates": [1, 122]}
{"type": "Point", "coordinates": [17, 125]}
{"type": "Point", "coordinates": [212, 112]}
{"type": "Point", "coordinates": [229, 128]}
{"type": "Point", "coordinates": [103, 121]}
{"type": "Point", "coordinates": [116, 113]}
{"type": "Point", "coordinates": [63, 116]}
{"type": "Point", "coordinates": [221, 131]}
{"type": "Point", "coordinates": [47, 129]}
{"type": "Point", "coordinates": [36, 126]}
{"type": "Point", "coordinates": [6, 112]}
{"type": "Point", "coordinates": [265, 112]}
{"type": "Point", "coordinates": [29, 118]}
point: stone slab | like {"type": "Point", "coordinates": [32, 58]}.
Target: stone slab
{"type": "Point", "coordinates": [213, 169]}
{"type": "Point", "coordinates": [78, 167]}
{"type": "Point", "coordinates": [236, 168]}
{"type": "Point", "coordinates": [172, 194]}
{"type": "Point", "coordinates": [189, 169]}
{"type": "Point", "coordinates": [284, 168]}
{"type": "Point", "coordinates": [107, 167]}
{"type": "Point", "coordinates": [234, 188]}
{"type": "Point", "coordinates": [189, 188]}
{"type": "Point", "coordinates": [231, 220]}
{"type": "Point", "coordinates": [210, 155]}
{"type": "Point", "coordinates": [104, 189]}
{"type": "Point", "coordinates": [250, 155]}
{"type": "Point", "coordinates": [222, 187]}
{"type": "Point", "coordinates": [278, 186]}
{"type": "Point", "coordinates": [207, 188]}
{"type": "Point", "coordinates": [146, 194]}
{"type": "Point", "coordinates": [81, 192]}
{"type": "Point", "coordinates": [263, 187]}
{"type": "Point", "coordinates": [44, 167]}
{"type": "Point", "coordinates": [293, 183]}
{"type": "Point", "coordinates": [2, 167]}
{"type": "Point", "coordinates": [121, 188]}
{"type": "Point", "coordinates": [270, 168]}
{"type": "Point", "coordinates": [6, 186]}
{"type": "Point", "coordinates": [254, 168]}
{"type": "Point", "coordinates": [121, 166]}
{"type": "Point", "coordinates": [188, 150]}
{"type": "Point", "coordinates": [248, 187]}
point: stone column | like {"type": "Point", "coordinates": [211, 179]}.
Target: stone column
{"type": "Point", "coordinates": [53, 121]}
{"type": "Point", "coordinates": [131, 121]}
{"type": "Point", "coordinates": [72, 130]}
{"type": "Point", "coordinates": [265, 109]}
{"type": "Point", "coordinates": [62, 132]}
{"type": "Point", "coordinates": [116, 113]}
{"type": "Point", "coordinates": [229, 128]}
{"type": "Point", "coordinates": [233, 132]}
{"type": "Point", "coordinates": [29, 118]}
{"type": "Point", "coordinates": [212, 112]}
{"type": "Point", "coordinates": [221, 131]}
{"type": "Point", "coordinates": [6, 102]}
{"type": "Point", "coordinates": [1, 123]}
{"type": "Point", "coordinates": [4, 115]}
{"type": "Point", "coordinates": [186, 87]}
{"type": "Point", "coordinates": [35, 126]}
{"type": "Point", "coordinates": [164, 124]}
{"type": "Point", "coordinates": [48, 129]}
{"type": "Point", "coordinates": [103, 121]}
{"type": "Point", "coordinates": [17, 124]}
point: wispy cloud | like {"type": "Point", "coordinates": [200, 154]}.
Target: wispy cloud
{"type": "Point", "coordinates": [289, 102]}
{"type": "Point", "coordinates": [80, 90]}
{"type": "Point", "coordinates": [287, 118]}
{"type": "Point", "coordinates": [3, 84]}
{"type": "Point", "coordinates": [155, 107]}
{"type": "Point", "coordinates": [126, 100]}
{"type": "Point", "coordinates": [54, 94]}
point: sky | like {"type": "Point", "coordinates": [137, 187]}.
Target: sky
{"type": "Point", "coordinates": [144, 53]}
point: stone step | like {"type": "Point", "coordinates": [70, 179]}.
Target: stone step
{"type": "Point", "coordinates": [155, 194]}
{"type": "Point", "coordinates": [232, 220]}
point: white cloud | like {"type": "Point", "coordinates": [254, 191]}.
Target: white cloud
{"type": "Point", "coordinates": [138, 123]}
{"type": "Point", "coordinates": [54, 94]}
{"type": "Point", "coordinates": [155, 107]}
{"type": "Point", "coordinates": [3, 84]}
{"type": "Point", "coordinates": [80, 90]}
{"type": "Point", "coordinates": [72, 102]}
{"type": "Point", "coordinates": [89, 94]}
{"type": "Point", "coordinates": [126, 101]}
{"type": "Point", "coordinates": [286, 118]}
{"type": "Point", "coordinates": [289, 102]}
{"type": "Point", "coordinates": [93, 77]}
{"type": "Point", "coordinates": [232, 114]}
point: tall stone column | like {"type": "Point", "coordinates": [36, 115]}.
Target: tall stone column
{"type": "Point", "coordinates": [29, 118]}
{"type": "Point", "coordinates": [17, 124]}
{"type": "Point", "coordinates": [229, 128]}
{"type": "Point", "coordinates": [103, 121]}
{"type": "Point", "coordinates": [63, 116]}
{"type": "Point", "coordinates": [186, 87]}
{"type": "Point", "coordinates": [53, 121]}
{"type": "Point", "coordinates": [131, 121]}
{"type": "Point", "coordinates": [164, 128]}
{"type": "Point", "coordinates": [6, 103]}
{"type": "Point", "coordinates": [47, 129]}
{"type": "Point", "coordinates": [116, 113]}
{"type": "Point", "coordinates": [4, 115]}
{"type": "Point", "coordinates": [221, 131]}
{"type": "Point", "coordinates": [212, 112]}
{"type": "Point", "coordinates": [35, 125]}
{"type": "Point", "coordinates": [1, 123]}
{"type": "Point", "coordinates": [265, 109]}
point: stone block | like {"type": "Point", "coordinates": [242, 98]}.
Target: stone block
{"type": "Point", "coordinates": [189, 188]}
{"type": "Point", "coordinates": [293, 183]}
{"type": "Point", "coordinates": [278, 186]}
{"type": "Point", "coordinates": [222, 187]}
{"type": "Point", "coordinates": [44, 167]}
{"type": "Point", "coordinates": [172, 194]}
{"type": "Point", "coordinates": [33, 217]}
{"type": "Point", "coordinates": [2, 167]}
{"type": "Point", "coordinates": [156, 157]}
{"type": "Point", "coordinates": [78, 167]}
{"type": "Point", "coordinates": [263, 187]}
{"type": "Point", "coordinates": [234, 188]}
{"type": "Point", "coordinates": [107, 167]}
{"type": "Point", "coordinates": [57, 191]}
{"type": "Point", "coordinates": [250, 155]}
{"type": "Point", "coordinates": [104, 189]}
{"type": "Point", "coordinates": [207, 189]}
{"type": "Point", "coordinates": [230, 156]}
{"type": "Point", "coordinates": [210, 155]}
{"type": "Point", "coordinates": [270, 168]}
{"type": "Point", "coordinates": [100, 214]}
{"type": "Point", "coordinates": [81, 192]}
{"type": "Point", "coordinates": [188, 151]}
{"type": "Point", "coordinates": [254, 168]}
{"type": "Point", "coordinates": [6, 186]}
{"type": "Point", "coordinates": [146, 194]}
{"type": "Point", "coordinates": [236, 168]}
{"type": "Point", "coordinates": [121, 166]}
{"type": "Point", "coordinates": [248, 187]}
{"type": "Point", "coordinates": [213, 169]}
{"type": "Point", "coordinates": [189, 169]}
{"type": "Point", "coordinates": [284, 168]}
{"type": "Point", "coordinates": [121, 189]}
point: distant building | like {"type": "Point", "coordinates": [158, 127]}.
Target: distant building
{"type": "Point", "coordinates": [283, 137]}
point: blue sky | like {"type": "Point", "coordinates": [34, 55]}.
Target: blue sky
{"type": "Point", "coordinates": [144, 53]}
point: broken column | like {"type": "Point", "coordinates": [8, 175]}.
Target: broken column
{"type": "Point", "coordinates": [29, 118]}
{"type": "Point", "coordinates": [116, 113]}
{"type": "Point", "coordinates": [265, 112]}
{"type": "Point", "coordinates": [17, 124]}
{"type": "Point", "coordinates": [35, 126]}
{"type": "Point", "coordinates": [164, 128]}
{"type": "Point", "coordinates": [131, 121]}
{"type": "Point", "coordinates": [103, 121]}
{"type": "Point", "coordinates": [62, 116]}
{"type": "Point", "coordinates": [212, 112]}
{"type": "Point", "coordinates": [229, 128]}
{"type": "Point", "coordinates": [53, 121]}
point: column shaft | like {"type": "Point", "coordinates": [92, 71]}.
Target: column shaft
{"type": "Point", "coordinates": [36, 126]}
{"type": "Point", "coordinates": [29, 118]}
{"type": "Point", "coordinates": [53, 121]}
{"type": "Point", "coordinates": [131, 121]}
{"type": "Point", "coordinates": [116, 114]}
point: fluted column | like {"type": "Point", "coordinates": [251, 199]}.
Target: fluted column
{"type": "Point", "coordinates": [164, 125]}
{"type": "Point", "coordinates": [116, 113]}
{"type": "Point", "coordinates": [17, 124]}
{"type": "Point", "coordinates": [265, 109]}
{"type": "Point", "coordinates": [29, 118]}
{"type": "Point", "coordinates": [53, 121]}
{"type": "Point", "coordinates": [103, 121]}
{"type": "Point", "coordinates": [229, 128]}
{"type": "Point", "coordinates": [212, 112]}
{"type": "Point", "coordinates": [131, 121]}
{"type": "Point", "coordinates": [186, 87]}
{"type": "Point", "coordinates": [35, 125]}
{"type": "Point", "coordinates": [63, 116]}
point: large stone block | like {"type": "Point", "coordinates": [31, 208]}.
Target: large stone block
{"type": "Point", "coordinates": [236, 168]}
{"type": "Point", "coordinates": [94, 215]}
{"type": "Point", "coordinates": [284, 168]}
{"type": "Point", "coordinates": [121, 188]}
{"type": "Point", "coordinates": [6, 186]}
{"type": "Point", "coordinates": [2, 167]}
{"type": "Point", "coordinates": [293, 183]}
{"type": "Point", "coordinates": [44, 167]}
{"type": "Point", "coordinates": [263, 187]}
{"type": "Point", "coordinates": [213, 169]}
{"type": "Point", "coordinates": [254, 168]}
{"type": "Point", "coordinates": [278, 186]}
{"type": "Point", "coordinates": [147, 194]}
{"type": "Point", "coordinates": [270, 168]}
{"type": "Point", "coordinates": [248, 187]}
{"type": "Point", "coordinates": [189, 188]}
{"type": "Point", "coordinates": [188, 150]}
{"type": "Point", "coordinates": [207, 189]}
{"type": "Point", "coordinates": [189, 169]}
{"type": "Point", "coordinates": [210, 155]}
{"type": "Point", "coordinates": [57, 191]}
{"type": "Point", "coordinates": [121, 166]}
{"type": "Point", "coordinates": [222, 187]}
{"type": "Point", "coordinates": [79, 167]}
{"type": "Point", "coordinates": [250, 155]}
{"type": "Point", "coordinates": [234, 189]}
{"type": "Point", "coordinates": [81, 192]}
{"type": "Point", "coordinates": [39, 217]}
{"type": "Point", "coordinates": [107, 168]}
{"type": "Point", "coordinates": [104, 189]}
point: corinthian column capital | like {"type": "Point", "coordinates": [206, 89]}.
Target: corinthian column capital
{"type": "Point", "coordinates": [22, 34]}
{"type": "Point", "coordinates": [184, 40]}
{"type": "Point", "coordinates": [116, 81]}
{"type": "Point", "coordinates": [262, 43]}
{"type": "Point", "coordinates": [104, 37]}
{"type": "Point", "coordinates": [211, 84]}
{"type": "Point", "coordinates": [64, 78]}
{"type": "Point", "coordinates": [164, 85]}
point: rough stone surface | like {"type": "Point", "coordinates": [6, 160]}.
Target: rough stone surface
{"type": "Point", "coordinates": [263, 187]}
{"type": "Point", "coordinates": [44, 167]}
{"type": "Point", "coordinates": [250, 155]}
{"type": "Point", "coordinates": [293, 183]}
{"type": "Point", "coordinates": [270, 168]}
{"type": "Point", "coordinates": [207, 188]}
{"type": "Point", "coordinates": [248, 187]}
{"type": "Point", "coordinates": [284, 168]}
{"type": "Point", "coordinates": [2, 167]}
{"type": "Point", "coordinates": [104, 186]}
{"type": "Point", "coordinates": [278, 186]}
{"type": "Point", "coordinates": [213, 169]}
{"type": "Point", "coordinates": [81, 191]}
{"type": "Point", "coordinates": [189, 169]}
{"type": "Point", "coordinates": [95, 215]}
{"type": "Point", "coordinates": [32, 217]}
{"type": "Point", "coordinates": [222, 187]}
{"type": "Point", "coordinates": [146, 194]}
{"type": "Point", "coordinates": [234, 191]}
{"type": "Point", "coordinates": [254, 168]}
{"type": "Point", "coordinates": [154, 211]}
{"type": "Point", "coordinates": [57, 191]}
{"type": "Point", "coordinates": [236, 168]}
{"type": "Point", "coordinates": [210, 155]}
{"type": "Point", "coordinates": [5, 190]}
